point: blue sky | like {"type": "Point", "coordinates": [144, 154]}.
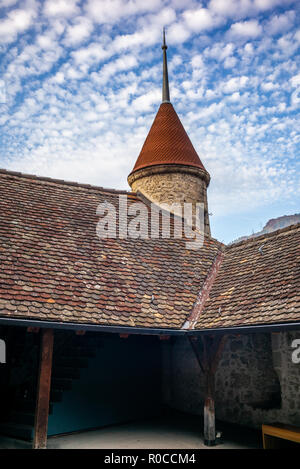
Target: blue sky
{"type": "Point", "coordinates": [81, 83]}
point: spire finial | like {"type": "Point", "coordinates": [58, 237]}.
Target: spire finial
{"type": "Point", "coordinates": [165, 88]}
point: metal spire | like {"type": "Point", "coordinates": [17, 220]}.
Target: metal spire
{"type": "Point", "coordinates": [165, 88]}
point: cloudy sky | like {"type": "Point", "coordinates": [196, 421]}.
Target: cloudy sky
{"type": "Point", "coordinates": [80, 85]}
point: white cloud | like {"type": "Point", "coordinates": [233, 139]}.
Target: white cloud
{"type": "Point", "coordinates": [126, 41]}
{"type": "Point", "coordinates": [280, 23]}
{"type": "Point", "coordinates": [63, 8]}
{"type": "Point", "coordinates": [109, 11]}
{"type": "Point", "coordinates": [235, 97]}
{"type": "Point", "coordinates": [248, 49]}
{"type": "Point", "coordinates": [16, 21]}
{"type": "Point", "coordinates": [236, 9]}
{"type": "Point", "coordinates": [32, 61]}
{"type": "Point", "coordinates": [160, 19]}
{"type": "Point", "coordinates": [235, 84]}
{"type": "Point", "coordinates": [145, 102]}
{"type": "Point", "coordinates": [269, 86]}
{"type": "Point", "coordinates": [178, 33]}
{"type": "Point", "coordinates": [287, 45]}
{"type": "Point", "coordinates": [73, 73]}
{"type": "Point", "coordinates": [200, 20]}
{"type": "Point", "coordinates": [93, 53]}
{"type": "Point", "coordinates": [295, 80]}
{"type": "Point", "coordinates": [197, 61]}
{"type": "Point", "coordinates": [206, 112]}
{"type": "Point", "coordinates": [295, 98]}
{"type": "Point", "coordinates": [7, 3]}
{"type": "Point", "coordinates": [244, 8]}
{"type": "Point", "coordinates": [78, 31]}
{"type": "Point", "coordinates": [125, 62]}
{"type": "Point", "coordinates": [58, 78]}
{"type": "Point", "coordinates": [229, 7]}
{"type": "Point", "coordinates": [230, 62]}
{"type": "Point", "coordinates": [45, 41]}
{"type": "Point", "coordinates": [220, 51]}
{"type": "Point", "coordinates": [246, 29]}
{"type": "Point", "coordinates": [263, 5]}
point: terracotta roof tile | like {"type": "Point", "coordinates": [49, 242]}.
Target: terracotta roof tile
{"type": "Point", "coordinates": [258, 282]}
{"type": "Point", "coordinates": [55, 268]}
{"type": "Point", "coordinates": [167, 142]}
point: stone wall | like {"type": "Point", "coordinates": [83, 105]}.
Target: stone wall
{"type": "Point", "coordinates": [256, 381]}
{"type": "Point", "coordinates": [173, 184]}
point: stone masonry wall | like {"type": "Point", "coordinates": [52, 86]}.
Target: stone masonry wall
{"type": "Point", "coordinates": [256, 381]}
{"type": "Point", "coordinates": [173, 187]}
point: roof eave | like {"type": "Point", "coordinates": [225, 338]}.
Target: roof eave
{"type": "Point", "coordinates": [275, 327]}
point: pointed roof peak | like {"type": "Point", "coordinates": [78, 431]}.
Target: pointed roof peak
{"type": "Point", "coordinates": [167, 142]}
{"type": "Point", "coordinates": [165, 86]}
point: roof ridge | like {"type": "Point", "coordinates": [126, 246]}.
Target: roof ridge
{"type": "Point", "coordinates": [203, 294]}
{"type": "Point", "coordinates": [254, 239]}
{"type": "Point", "coordinates": [64, 182]}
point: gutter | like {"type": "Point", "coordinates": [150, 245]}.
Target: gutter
{"type": "Point", "coordinates": [277, 327]}
{"type": "Point", "coordinates": [89, 327]}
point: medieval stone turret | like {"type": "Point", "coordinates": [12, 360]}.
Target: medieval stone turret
{"type": "Point", "coordinates": [168, 169]}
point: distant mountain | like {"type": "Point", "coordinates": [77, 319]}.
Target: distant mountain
{"type": "Point", "coordinates": [273, 225]}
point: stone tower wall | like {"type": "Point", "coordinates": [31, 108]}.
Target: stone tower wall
{"type": "Point", "coordinates": [173, 184]}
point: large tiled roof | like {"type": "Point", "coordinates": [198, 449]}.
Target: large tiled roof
{"type": "Point", "coordinates": [55, 268]}
{"type": "Point", "coordinates": [167, 142]}
{"type": "Point", "coordinates": [258, 282]}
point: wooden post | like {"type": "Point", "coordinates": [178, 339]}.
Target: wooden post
{"type": "Point", "coordinates": [208, 362]}
{"type": "Point", "coordinates": [43, 390]}
{"type": "Point", "coordinates": [209, 409]}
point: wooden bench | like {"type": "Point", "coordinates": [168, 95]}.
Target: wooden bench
{"type": "Point", "coordinates": [271, 433]}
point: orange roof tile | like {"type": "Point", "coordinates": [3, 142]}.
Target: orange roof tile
{"type": "Point", "coordinates": [167, 142]}
{"type": "Point", "coordinates": [55, 268]}
{"type": "Point", "coordinates": [257, 283]}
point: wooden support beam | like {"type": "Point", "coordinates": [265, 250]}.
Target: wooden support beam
{"type": "Point", "coordinates": [124, 336]}
{"type": "Point", "coordinates": [164, 337]}
{"type": "Point", "coordinates": [208, 359]}
{"type": "Point", "coordinates": [35, 330]}
{"type": "Point", "coordinates": [209, 422]}
{"type": "Point", "coordinates": [43, 390]}
{"type": "Point", "coordinates": [193, 342]}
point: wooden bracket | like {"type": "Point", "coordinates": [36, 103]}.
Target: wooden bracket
{"type": "Point", "coordinates": [164, 337]}
{"type": "Point", "coordinates": [35, 330]}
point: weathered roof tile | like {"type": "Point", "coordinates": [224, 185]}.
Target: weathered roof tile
{"type": "Point", "coordinates": [167, 142]}
{"type": "Point", "coordinates": [263, 290]}
{"type": "Point", "coordinates": [55, 268]}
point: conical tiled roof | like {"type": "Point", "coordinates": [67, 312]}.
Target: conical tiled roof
{"type": "Point", "coordinates": [167, 142]}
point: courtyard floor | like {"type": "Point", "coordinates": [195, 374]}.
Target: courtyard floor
{"type": "Point", "coordinates": [171, 432]}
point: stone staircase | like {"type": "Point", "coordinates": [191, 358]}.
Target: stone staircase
{"type": "Point", "coordinates": [71, 353]}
